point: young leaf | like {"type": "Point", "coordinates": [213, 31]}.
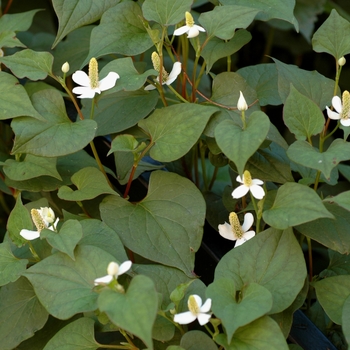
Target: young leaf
{"type": "Point", "coordinates": [197, 339]}
{"type": "Point", "coordinates": [240, 144]}
{"type": "Point", "coordinates": [166, 12]}
{"type": "Point", "coordinates": [172, 214]}
{"type": "Point", "coordinates": [278, 265]}
{"type": "Point", "coordinates": [17, 22]}
{"type": "Point", "coordinates": [90, 183]}
{"type": "Point", "coordinates": [135, 311]}
{"type": "Point", "coordinates": [21, 313]}
{"type": "Point", "coordinates": [333, 36]}
{"type": "Point", "coordinates": [295, 204]}
{"type": "Point", "coordinates": [175, 129]}
{"type": "Point", "coordinates": [74, 14]}
{"type": "Point", "coordinates": [302, 116]}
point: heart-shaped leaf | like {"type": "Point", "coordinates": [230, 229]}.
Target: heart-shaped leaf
{"type": "Point", "coordinates": [301, 152]}
{"type": "Point", "coordinates": [342, 199]}
{"type": "Point", "coordinates": [196, 340]}
{"type": "Point", "coordinates": [90, 183]}
{"type": "Point", "coordinates": [135, 311]}
{"type": "Point", "coordinates": [17, 22]}
{"type": "Point", "coordinates": [253, 302]}
{"type": "Point", "coordinates": [295, 204]}
{"type": "Point", "coordinates": [166, 226]}
{"type": "Point", "coordinates": [240, 144]}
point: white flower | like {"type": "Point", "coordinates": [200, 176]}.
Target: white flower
{"type": "Point", "coordinates": [113, 271]}
{"type": "Point", "coordinates": [197, 311]}
{"type": "Point", "coordinates": [242, 104]}
{"type": "Point", "coordinates": [65, 67]}
{"type": "Point", "coordinates": [248, 184]}
{"type": "Point", "coordinates": [90, 85]}
{"type": "Point", "coordinates": [342, 61]}
{"type": "Point", "coordinates": [190, 28]}
{"type": "Point", "coordinates": [342, 110]}
{"type": "Point", "coordinates": [235, 232]}
{"type": "Point", "coordinates": [42, 218]}
{"type": "Point", "coordinates": [166, 78]}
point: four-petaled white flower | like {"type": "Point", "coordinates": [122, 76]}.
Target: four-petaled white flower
{"type": "Point", "coordinates": [342, 109]}
{"type": "Point", "coordinates": [90, 85]}
{"type": "Point", "coordinates": [242, 104]}
{"type": "Point", "coordinates": [113, 271]}
{"type": "Point", "coordinates": [42, 218]}
{"type": "Point", "coordinates": [235, 232]}
{"type": "Point", "coordinates": [197, 311]}
{"type": "Point", "coordinates": [248, 184]}
{"type": "Point", "coordinates": [166, 78]}
{"type": "Point", "coordinates": [190, 28]}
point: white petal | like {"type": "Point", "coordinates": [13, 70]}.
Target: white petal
{"type": "Point", "coordinates": [201, 29]}
{"type": "Point", "coordinates": [103, 280]}
{"type": "Point", "coordinates": [150, 87]}
{"type": "Point", "coordinates": [242, 104]}
{"type": "Point", "coordinates": [206, 306]}
{"type": "Point", "coordinates": [181, 30]}
{"type": "Point", "coordinates": [85, 92]}
{"type": "Point", "coordinates": [109, 81]}
{"type": "Point", "coordinates": [81, 78]}
{"type": "Point", "coordinates": [56, 222]}
{"type": "Point", "coordinates": [332, 114]}
{"type": "Point", "coordinates": [248, 222]}
{"type": "Point", "coordinates": [257, 182]}
{"type": "Point", "coordinates": [29, 235]}
{"type": "Point", "coordinates": [345, 122]}
{"type": "Point", "coordinates": [125, 266]}
{"type": "Point", "coordinates": [203, 319]}
{"type": "Point", "coordinates": [257, 191]}
{"type": "Point", "coordinates": [246, 237]}
{"type": "Point", "coordinates": [336, 103]}
{"type": "Point", "coordinates": [198, 300]}
{"type": "Point", "coordinates": [174, 73]}
{"type": "Point", "coordinates": [193, 32]}
{"type": "Point", "coordinates": [225, 231]}
{"type": "Point", "coordinates": [240, 191]}
{"type": "Point", "coordinates": [184, 317]}
{"type": "Point", "coordinates": [239, 179]}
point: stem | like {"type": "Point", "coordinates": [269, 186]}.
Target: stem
{"type": "Point", "coordinates": [32, 250]}
{"type": "Point", "coordinates": [83, 209]}
{"type": "Point", "coordinates": [309, 248]}
{"type": "Point", "coordinates": [116, 346]}
{"type": "Point", "coordinates": [177, 94]}
{"type": "Point", "coordinates": [204, 171]}
{"type": "Point", "coordinates": [7, 8]}
{"type": "Point", "coordinates": [243, 120]}
{"type": "Point", "coordinates": [228, 63]}
{"type": "Point", "coordinates": [209, 330]}
{"type": "Point", "coordinates": [317, 179]}
{"type": "Point", "coordinates": [256, 212]}
{"type": "Point", "coordinates": [213, 178]}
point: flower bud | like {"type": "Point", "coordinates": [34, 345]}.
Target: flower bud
{"type": "Point", "coordinates": [242, 104]}
{"type": "Point", "coordinates": [65, 67]}
{"type": "Point", "coordinates": [341, 61]}
{"type": "Point", "coordinates": [113, 268]}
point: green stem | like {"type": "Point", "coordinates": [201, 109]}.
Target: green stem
{"type": "Point", "coordinates": [202, 150]}
{"type": "Point", "coordinates": [317, 179]}
{"type": "Point", "coordinates": [229, 63]}
{"type": "Point", "coordinates": [177, 94]}
{"type": "Point", "coordinates": [243, 120]}
{"type": "Point", "coordinates": [209, 330]}
{"type": "Point", "coordinates": [309, 248]}
{"type": "Point", "coordinates": [213, 178]}
{"type": "Point", "coordinates": [103, 346]}
{"type": "Point", "coordinates": [32, 250]}
{"type": "Point", "coordinates": [256, 212]}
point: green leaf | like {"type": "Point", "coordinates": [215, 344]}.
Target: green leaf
{"type": "Point", "coordinates": [66, 239]}
{"type": "Point", "coordinates": [17, 22]}
{"type": "Point", "coordinates": [124, 143]}
{"type": "Point", "coordinates": [217, 48]}
{"type": "Point", "coordinates": [333, 36]}
{"type": "Point", "coordinates": [197, 340]}
{"type": "Point", "coordinates": [339, 264]}
{"type": "Point", "coordinates": [264, 79]}
{"type": "Point", "coordinates": [332, 292]}
{"type": "Point", "coordinates": [74, 14]}
{"type": "Point", "coordinates": [224, 20]}
{"type": "Point", "coordinates": [302, 116]}
{"type": "Point", "coordinates": [175, 129]}
{"type": "Point", "coordinates": [261, 334]}
{"type": "Point", "coordinates": [273, 259]}
{"type": "Point", "coordinates": [8, 39]}
{"type": "Point", "coordinates": [21, 313]}
{"type": "Point", "coordinates": [172, 214]}
{"type": "Point", "coordinates": [269, 9]}
{"type": "Point", "coordinates": [329, 232]}
{"type": "Point", "coordinates": [235, 311]}
{"type": "Point", "coordinates": [240, 144]}
{"type": "Point", "coordinates": [37, 184]}
{"type": "Point", "coordinates": [166, 12]}
{"type": "Point", "coordinates": [98, 234]}
{"type": "Point", "coordinates": [78, 334]}
{"type": "Point", "coordinates": [11, 267]}
{"type": "Point", "coordinates": [28, 63]}
{"type": "Point", "coordinates": [19, 219]}
{"type": "Point", "coordinates": [346, 319]}
{"type": "Point", "coordinates": [135, 311]}
{"type": "Point", "coordinates": [14, 101]}
{"type": "Point", "coordinates": [31, 167]}
{"type": "Point", "coordinates": [342, 199]}
{"type": "Point", "coordinates": [121, 30]}
{"type": "Point", "coordinates": [65, 287]}
{"type": "Point", "coordinates": [304, 81]}
{"type": "Point", "coordinates": [121, 110]}
{"type": "Point", "coordinates": [90, 183]}
{"type": "Point", "coordinates": [57, 135]}
{"type": "Point", "coordinates": [295, 204]}
{"type": "Point", "coordinates": [301, 152]}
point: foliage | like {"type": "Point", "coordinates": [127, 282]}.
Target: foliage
{"type": "Point", "coordinates": [170, 132]}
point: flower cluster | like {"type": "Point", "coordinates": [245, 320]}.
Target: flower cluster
{"type": "Point", "coordinates": [248, 184]}
{"type": "Point", "coordinates": [191, 29]}
{"type": "Point", "coordinates": [342, 109]}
